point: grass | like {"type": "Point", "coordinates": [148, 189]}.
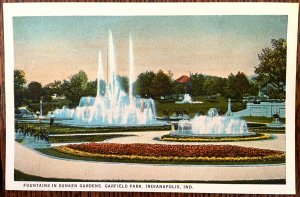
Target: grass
{"type": "Point", "coordinates": [268, 130]}
{"type": "Point", "coordinates": [19, 140]}
{"type": "Point", "coordinates": [21, 176]}
{"type": "Point", "coordinates": [261, 119]}
{"type": "Point", "coordinates": [64, 130]}
{"type": "Point", "coordinates": [220, 103]}
{"type": "Point", "coordinates": [257, 136]}
{"type": "Point", "coordinates": [61, 129]}
{"type": "Point", "coordinates": [83, 138]}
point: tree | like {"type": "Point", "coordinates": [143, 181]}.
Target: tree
{"type": "Point", "coordinates": [254, 88]}
{"type": "Point", "coordinates": [220, 85]}
{"type": "Point", "coordinates": [271, 71]}
{"type": "Point", "coordinates": [19, 87]}
{"type": "Point", "coordinates": [47, 93]}
{"type": "Point", "coordinates": [162, 84]}
{"type": "Point", "coordinates": [178, 88]}
{"type": "Point", "coordinates": [75, 88]}
{"type": "Point", "coordinates": [56, 87]}
{"type": "Point", "coordinates": [197, 84]}
{"type": "Point", "coordinates": [238, 85]}
{"type": "Point", "coordinates": [91, 89]}
{"type": "Point", "coordinates": [35, 91]}
{"type": "Point", "coordinates": [210, 86]}
{"type": "Point", "coordinates": [145, 84]}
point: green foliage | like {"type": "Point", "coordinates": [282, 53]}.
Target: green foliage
{"type": "Point", "coordinates": [91, 88]}
{"type": "Point", "coordinates": [60, 129]}
{"type": "Point", "coordinates": [145, 83]}
{"type": "Point", "coordinates": [178, 88]}
{"type": "Point", "coordinates": [36, 131]}
{"type": "Point", "coordinates": [162, 84]}
{"type": "Point", "coordinates": [220, 103]}
{"type": "Point", "coordinates": [260, 119]}
{"type": "Point", "coordinates": [83, 138]}
{"type": "Point", "coordinates": [35, 91]}
{"type": "Point", "coordinates": [76, 87]}
{"type": "Point", "coordinates": [197, 84]}
{"type": "Point", "coordinates": [207, 85]}
{"type": "Point", "coordinates": [19, 87]}
{"type": "Point", "coordinates": [20, 176]}
{"type": "Point", "coordinates": [47, 93]}
{"type": "Point", "coordinates": [238, 85]}
{"type": "Point", "coordinates": [267, 130]}
{"type": "Point", "coordinates": [48, 105]}
{"type": "Point", "coordinates": [271, 71]}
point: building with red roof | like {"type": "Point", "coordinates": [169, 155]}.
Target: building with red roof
{"type": "Point", "coordinates": [183, 79]}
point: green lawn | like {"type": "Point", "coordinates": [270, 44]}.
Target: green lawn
{"type": "Point", "coordinates": [220, 104]}
{"type": "Point", "coordinates": [260, 119]}
{"type": "Point", "coordinates": [20, 176]}
{"type": "Point", "coordinates": [61, 129]}
{"type": "Point", "coordinates": [83, 138]}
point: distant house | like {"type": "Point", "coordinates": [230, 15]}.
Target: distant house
{"type": "Point", "coordinates": [56, 97]}
{"type": "Point", "coordinates": [183, 79]}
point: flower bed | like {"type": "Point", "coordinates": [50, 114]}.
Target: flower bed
{"type": "Point", "coordinates": [173, 153]}
{"type": "Point", "coordinates": [216, 139]}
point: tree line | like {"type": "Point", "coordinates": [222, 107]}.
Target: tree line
{"type": "Point", "coordinates": [269, 75]}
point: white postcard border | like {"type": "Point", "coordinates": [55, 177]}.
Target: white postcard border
{"type": "Point", "coordinates": [139, 9]}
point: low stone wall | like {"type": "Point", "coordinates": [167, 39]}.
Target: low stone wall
{"type": "Point", "coordinates": [266, 109]}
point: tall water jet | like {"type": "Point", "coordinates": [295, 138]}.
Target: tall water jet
{"type": "Point", "coordinates": [131, 68]}
{"type": "Point", "coordinates": [115, 107]}
{"type": "Point", "coordinates": [112, 67]}
{"type": "Point", "coordinates": [100, 74]}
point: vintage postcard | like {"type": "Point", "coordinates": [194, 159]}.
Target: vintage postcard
{"type": "Point", "coordinates": [152, 97]}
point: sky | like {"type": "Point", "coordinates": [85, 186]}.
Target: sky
{"type": "Point", "coordinates": [52, 48]}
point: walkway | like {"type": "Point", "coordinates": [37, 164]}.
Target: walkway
{"type": "Point", "coordinates": [41, 165]}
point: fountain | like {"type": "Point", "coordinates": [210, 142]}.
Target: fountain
{"type": "Point", "coordinates": [212, 125]}
{"type": "Point", "coordinates": [187, 99]}
{"type": "Point", "coordinates": [115, 107]}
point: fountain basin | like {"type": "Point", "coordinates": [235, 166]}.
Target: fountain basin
{"type": "Point", "coordinates": [71, 123]}
{"type": "Point", "coordinates": [192, 134]}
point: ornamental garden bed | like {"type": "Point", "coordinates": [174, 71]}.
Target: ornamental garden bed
{"type": "Point", "coordinates": [83, 138]}
{"type": "Point", "coordinates": [257, 136]}
{"type": "Point", "coordinates": [158, 153]}
{"type": "Point", "coordinates": [62, 129]}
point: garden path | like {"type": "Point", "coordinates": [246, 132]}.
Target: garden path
{"type": "Point", "coordinates": [44, 166]}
